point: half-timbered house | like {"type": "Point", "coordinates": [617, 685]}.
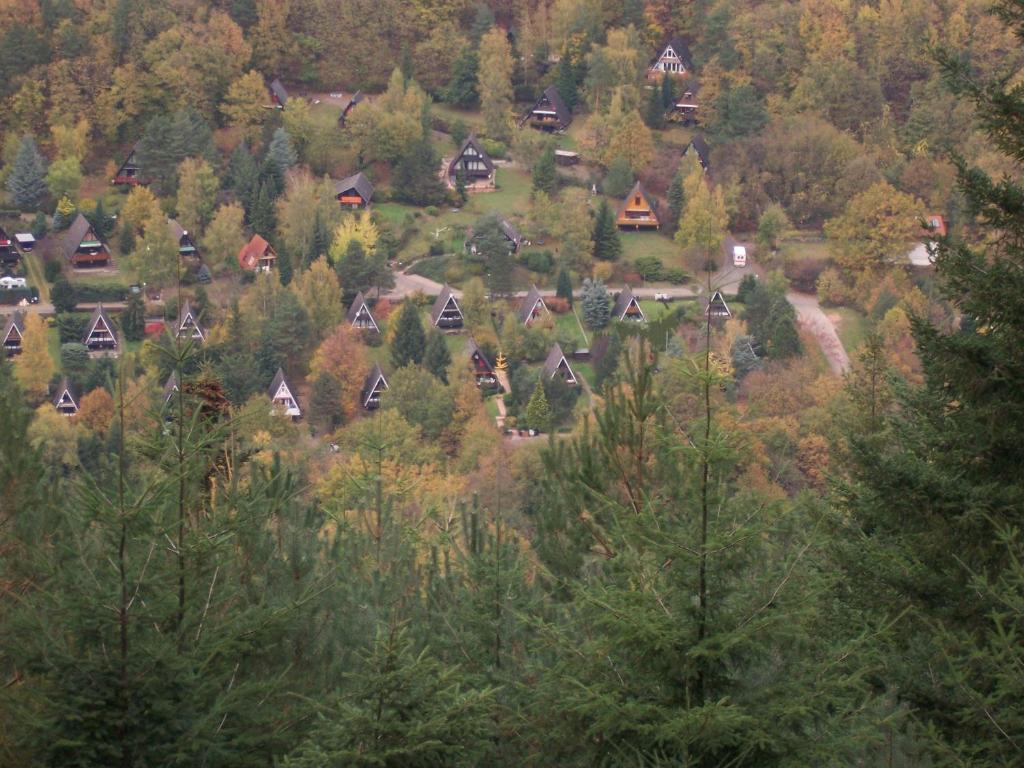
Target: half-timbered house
{"type": "Point", "coordinates": [82, 246]}
{"type": "Point", "coordinates": [8, 252]}
{"type": "Point", "coordinates": [373, 387]}
{"type": "Point", "coordinates": [473, 163]}
{"type": "Point", "coordinates": [100, 332]}
{"type": "Point", "coordinates": [446, 312]}
{"type": "Point", "coordinates": [359, 315]}
{"type": "Point", "coordinates": [673, 60]}
{"type": "Point", "coordinates": [257, 255]}
{"type": "Point", "coordinates": [637, 211]}
{"type": "Point", "coordinates": [354, 192]}
{"type": "Point", "coordinates": [627, 307]}
{"type": "Point", "coordinates": [282, 397]}
{"type": "Point", "coordinates": [557, 365]}
{"type": "Point", "coordinates": [549, 113]}
{"type": "Point", "coordinates": [14, 332]}
{"type": "Point", "coordinates": [533, 306]}
{"type": "Point", "coordinates": [66, 399]}
{"type": "Point", "coordinates": [482, 369]}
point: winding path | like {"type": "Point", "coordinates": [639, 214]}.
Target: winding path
{"type": "Point", "coordinates": [810, 316]}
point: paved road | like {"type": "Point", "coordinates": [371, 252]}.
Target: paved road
{"type": "Point", "coordinates": [810, 316]}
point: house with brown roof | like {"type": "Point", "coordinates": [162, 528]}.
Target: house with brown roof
{"type": "Point", "coordinates": [188, 326]}
{"type": "Point", "coordinates": [533, 306]}
{"type": "Point", "coordinates": [66, 399]}
{"type": "Point", "coordinates": [130, 172]}
{"type": "Point", "coordinates": [373, 387]}
{"type": "Point", "coordinates": [557, 365]}
{"type": "Point", "coordinates": [282, 397]}
{"type": "Point", "coordinates": [549, 113]}
{"type": "Point", "coordinates": [278, 94]}
{"type": "Point", "coordinates": [354, 192]}
{"type": "Point", "coordinates": [473, 163]}
{"type": "Point", "coordinates": [100, 332]}
{"type": "Point", "coordinates": [482, 369]}
{"type": "Point", "coordinates": [673, 60]}
{"type": "Point", "coordinates": [637, 211]}
{"type": "Point", "coordinates": [359, 315]}
{"type": "Point", "coordinates": [357, 98]}
{"type": "Point", "coordinates": [446, 312]}
{"type": "Point", "coordinates": [13, 333]}
{"type": "Point", "coordinates": [627, 307]}
{"type": "Point", "coordinates": [187, 247]}
{"type": "Point", "coordinates": [257, 255]}
{"type": "Point", "coordinates": [82, 246]}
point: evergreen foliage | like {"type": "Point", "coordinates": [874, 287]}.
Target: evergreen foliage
{"type": "Point", "coordinates": [654, 112]}
{"type": "Point", "coordinates": [594, 301]}
{"type": "Point", "coordinates": [281, 151]}
{"type": "Point", "coordinates": [563, 287]}
{"type": "Point", "coordinates": [545, 176]}
{"type": "Point", "coordinates": [538, 412]}
{"type": "Point", "coordinates": [772, 319]}
{"type": "Point", "coordinates": [133, 319]}
{"type": "Point", "coordinates": [566, 81]}
{"type": "Point", "coordinates": [416, 179]}
{"type": "Point", "coordinates": [607, 245]}
{"type": "Point", "coordinates": [26, 182]}
{"type": "Point", "coordinates": [462, 87]}
{"type": "Point", "coordinates": [619, 179]}
{"type": "Point", "coordinates": [436, 357]}
{"type": "Point", "coordinates": [676, 202]}
{"type": "Point", "coordinates": [62, 295]}
{"type": "Point", "coordinates": [410, 340]}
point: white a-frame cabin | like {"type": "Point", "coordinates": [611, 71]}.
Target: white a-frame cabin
{"type": "Point", "coordinates": [281, 396]}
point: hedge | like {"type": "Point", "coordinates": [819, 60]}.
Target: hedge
{"type": "Point", "coordinates": [15, 295]}
{"type": "Point", "coordinates": [91, 293]}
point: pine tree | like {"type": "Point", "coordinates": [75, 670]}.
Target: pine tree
{"type": "Point", "coordinates": [606, 365]}
{"type": "Point", "coordinates": [321, 242]}
{"type": "Point", "coordinates": [62, 295]}
{"type": "Point", "coordinates": [281, 151]}
{"type": "Point", "coordinates": [654, 114]}
{"type": "Point", "coordinates": [545, 176]}
{"type": "Point", "coordinates": [676, 202]}
{"type": "Point", "coordinates": [285, 269]}
{"type": "Point", "coordinates": [437, 358]}
{"type": "Point", "coordinates": [354, 271]}
{"type": "Point", "coordinates": [39, 226]}
{"type": "Point", "coordinates": [563, 288]}
{"type": "Point", "coordinates": [566, 82]}
{"type": "Point", "coordinates": [262, 217]}
{"type": "Point", "coordinates": [101, 223]}
{"type": "Point", "coordinates": [594, 301]}
{"type": "Point", "coordinates": [607, 245]}
{"type": "Point", "coordinates": [462, 88]}
{"type": "Point", "coordinates": [133, 319]}
{"type": "Point", "coordinates": [772, 319]}
{"type": "Point", "coordinates": [619, 179]}
{"type": "Point", "coordinates": [495, 83]}
{"type": "Point", "coordinates": [538, 412]}
{"type": "Point", "coordinates": [416, 179]}
{"type": "Point", "coordinates": [668, 93]}
{"type": "Point", "coordinates": [26, 182]}
{"type": "Point", "coordinates": [410, 340]}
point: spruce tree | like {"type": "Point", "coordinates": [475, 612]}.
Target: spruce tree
{"type": "Point", "coordinates": [676, 203]}
{"type": "Point", "coordinates": [285, 269]}
{"type": "Point", "coordinates": [39, 226]}
{"type": "Point", "coordinates": [26, 182]}
{"type": "Point", "coordinates": [594, 301]}
{"type": "Point", "coordinates": [281, 151]}
{"type": "Point", "coordinates": [654, 113]}
{"type": "Point", "coordinates": [563, 288]}
{"type": "Point", "coordinates": [354, 271]}
{"type": "Point", "coordinates": [416, 179]}
{"type": "Point", "coordinates": [566, 82]}
{"type": "Point", "coordinates": [538, 412]}
{"type": "Point", "coordinates": [262, 217]}
{"type": "Point", "coordinates": [668, 93]}
{"type": "Point", "coordinates": [545, 176]}
{"type": "Point", "coordinates": [436, 357]}
{"type": "Point", "coordinates": [321, 245]}
{"type": "Point", "coordinates": [133, 319]}
{"type": "Point", "coordinates": [462, 88]}
{"type": "Point", "coordinates": [410, 341]}
{"type": "Point", "coordinates": [499, 272]}
{"type": "Point", "coordinates": [619, 179]}
{"type": "Point", "coordinates": [607, 245]}
{"type": "Point", "coordinates": [62, 295]}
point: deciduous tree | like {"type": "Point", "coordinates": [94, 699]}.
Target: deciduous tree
{"type": "Point", "coordinates": [34, 367]}
{"type": "Point", "coordinates": [496, 83]}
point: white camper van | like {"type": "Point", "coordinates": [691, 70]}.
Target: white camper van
{"type": "Point", "coordinates": [739, 256]}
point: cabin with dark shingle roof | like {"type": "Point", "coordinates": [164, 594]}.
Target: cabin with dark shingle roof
{"type": "Point", "coordinates": [281, 396]}
{"type": "Point", "coordinates": [82, 246]}
{"type": "Point", "coordinates": [359, 315]}
{"type": "Point", "coordinates": [557, 365]}
{"type": "Point", "coordinates": [549, 113]}
{"type": "Point", "coordinates": [355, 191]}
{"type": "Point", "coordinates": [13, 333]}
{"type": "Point", "coordinates": [357, 98]}
{"type": "Point", "coordinates": [171, 387]}
{"type": "Point", "coordinates": [278, 94]}
{"type": "Point", "coordinates": [188, 326]}
{"type": "Point", "coordinates": [685, 107]}
{"type": "Point", "coordinates": [473, 162]}
{"type": "Point", "coordinates": [637, 210]}
{"type": "Point", "coordinates": [100, 332]}
{"type": "Point", "coordinates": [702, 150]}
{"type": "Point", "coordinates": [373, 387]}
{"type": "Point", "coordinates": [66, 399]}
{"type": "Point", "coordinates": [717, 308]}
{"type": "Point", "coordinates": [482, 369]}
{"type": "Point", "coordinates": [187, 248]}
{"type": "Point", "coordinates": [627, 307]}
{"type": "Point", "coordinates": [674, 60]}
{"type": "Point", "coordinates": [130, 172]}
{"type": "Point", "coordinates": [533, 306]}
{"type": "Point", "coordinates": [446, 312]}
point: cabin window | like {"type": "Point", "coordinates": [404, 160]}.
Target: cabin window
{"type": "Point", "coordinates": [636, 201]}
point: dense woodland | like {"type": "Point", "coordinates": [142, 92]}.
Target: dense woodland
{"type": "Point", "coordinates": [718, 552]}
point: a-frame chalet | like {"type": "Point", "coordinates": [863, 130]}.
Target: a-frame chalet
{"type": "Point", "coordinates": [373, 387]}
{"type": "Point", "coordinates": [348, 106]}
{"type": "Point", "coordinates": [100, 332]}
{"type": "Point", "coordinates": [282, 398]}
{"type": "Point", "coordinates": [14, 331]}
{"type": "Point", "coordinates": [533, 306]}
{"type": "Point", "coordinates": [359, 315]}
{"type": "Point", "coordinates": [673, 60]}
{"type": "Point", "coordinates": [701, 149]}
{"type": "Point", "coordinates": [637, 211]}
{"type": "Point", "coordinates": [66, 400]}
{"type": "Point", "coordinates": [549, 113]}
{"type": "Point", "coordinates": [684, 108]}
{"type": "Point", "coordinates": [187, 248]}
{"type": "Point", "coordinates": [130, 172]}
{"type": "Point", "coordinates": [82, 246]}
{"type": "Point", "coordinates": [717, 308]}
{"type": "Point", "coordinates": [446, 312]}
{"type": "Point", "coordinates": [354, 192]}
{"type": "Point", "coordinates": [627, 307]}
{"type": "Point", "coordinates": [482, 369]}
{"type": "Point", "coordinates": [473, 163]}
{"type": "Point", "coordinates": [188, 326]}
{"type": "Point", "coordinates": [278, 94]}
{"type": "Point", "coordinates": [8, 253]}
{"type": "Point", "coordinates": [171, 387]}
{"type": "Point", "coordinates": [557, 365]}
{"type": "Point", "coordinates": [257, 255]}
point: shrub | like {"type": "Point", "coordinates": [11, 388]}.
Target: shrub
{"type": "Point", "coordinates": [649, 268]}
{"type": "Point", "coordinates": [603, 271]}
{"type": "Point", "coordinates": [52, 270]}
{"type": "Point", "coordinates": [496, 149]}
{"type": "Point", "coordinates": [803, 273]}
{"type": "Point", "coordinates": [71, 326]}
{"type": "Point", "coordinates": [91, 293]}
{"type": "Point", "coordinates": [432, 210]}
{"type": "Point", "coordinates": [676, 275]}
{"type": "Point", "coordinates": [557, 305]}
{"type": "Point", "coordinates": [539, 261]}
{"type": "Point", "coordinates": [831, 289]}
{"type": "Point", "coordinates": [15, 295]}
{"type": "Point", "coordinates": [436, 248]}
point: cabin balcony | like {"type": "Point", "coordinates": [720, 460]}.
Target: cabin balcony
{"type": "Point", "coordinates": [67, 410]}
{"type": "Point", "coordinates": [364, 324]}
{"type": "Point", "coordinates": [372, 403]}
{"type": "Point", "coordinates": [633, 315]}
{"type": "Point", "coordinates": [545, 121]}
{"type": "Point", "coordinates": [90, 255]}
{"type": "Point", "coordinates": [638, 222]}
{"type": "Point", "coordinates": [12, 348]}
{"type": "Point", "coordinates": [98, 344]}
{"type": "Point", "coordinates": [352, 201]}
{"type": "Point", "coordinates": [449, 320]}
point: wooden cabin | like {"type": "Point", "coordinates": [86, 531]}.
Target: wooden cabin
{"type": "Point", "coordinates": [684, 108]}
{"type": "Point", "coordinates": [9, 255]}
{"type": "Point", "coordinates": [257, 255]}
{"type": "Point", "coordinates": [512, 236]}
{"type": "Point", "coordinates": [482, 369]}
{"type": "Point", "coordinates": [566, 157]}
{"type": "Point", "coordinates": [717, 308]}
{"type": "Point", "coordinates": [473, 162]}
{"type": "Point", "coordinates": [187, 248]}
{"type": "Point", "coordinates": [13, 333]}
{"type": "Point", "coordinates": [171, 387]}
{"type": "Point", "coordinates": [129, 172]}
{"type": "Point", "coordinates": [359, 315]}
{"type": "Point", "coordinates": [533, 306]}
{"type": "Point", "coordinates": [83, 247]}
{"type": "Point", "coordinates": [354, 192]}
{"type": "Point", "coordinates": [702, 150]}
{"type": "Point", "coordinates": [66, 400]}
{"type": "Point", "coordinates": [100, 332]}
{"type": "Point", "coordinates": [627, 307]}
{"type": "Point", "coordinates": [557, 365]}
{"type": "Point", "coordinates": [637, 211]}
{"type": "Point", "coordinates": [673, 60]}
{"type": "Point", "coordinates": [446, 312]}
{"type": "Point", "coordinates": [549, 113]}
{"type": "Point", "coordinates": [348, 106]}
{"type": "Point", "coordinates": [278, 94]}
{"type": "Point", "coordinates": [188, 326]}
{"type": "Point", "coordinates": [282, 398]}
{"type": "Point", "coordinates": [374, 386]}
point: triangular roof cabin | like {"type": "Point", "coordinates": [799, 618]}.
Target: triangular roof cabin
{"type": "Point", "coordinates": [278, 94]}
{"type": "Point", "coordinates": [257, 255]}
{"type": "Point", "coordinates": [533, 306]}
{"type": "Point", "coordinates": [702, 149]}
{"type": "Point", "coordinates": [481, 366]}
{"type": "Point", "coordinates": [512, 235]}
{"type": "Point", "coordinates": [14, 331]}
{"type": "Point", "coordinates": [100, 332]}
{"type": "Point", "coordinates": [356, 191]}
{"type": "Point", "coordinates": [557, 364]}
{"type": "Point", "coordinates": [472, 160]}
{"type": "Point", "coordinates": [82, 246]}
{"type": "Point", "coordinates": [373, 387]}
{"type": "Point", "coordinates": [359, 315]}
{"type": "Point", "coordinates": [8, 253]}
{"type": "Point", "coordinates": [348, 106]}
{"type": "Point", "coordinates": [171, 387]}
{"type": "Point", "coordinates": [686, 105]}
{"type": "Point", "coordinates": [186, 245]}
{"type": "Point", "coordinates": [446, 312]}
{"type": "Point", "coordinates": [281, 395]}
{"type": "Point", "coordinates": [549, 113]}
{"type": "Point", "coordinates": [674, 59]}
{"type": "Point", "coordinates": [637, 211]}
{"type": "Point", "coordinates": [66, 400]}
{"type": "Point", "coordinates": [717, 308]}
{"type": "Point", "coordinates": [130, 172]}
{"type": "Point", "coordinates": [627, 307]}
{"type": "Point", "coordinates": [188, 324]}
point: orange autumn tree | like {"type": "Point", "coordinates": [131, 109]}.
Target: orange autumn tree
{"type": "Point", "coordinates": [342, 356]}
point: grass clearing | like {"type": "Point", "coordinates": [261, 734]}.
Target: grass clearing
{"type": "Point", "coordinates": [36, 277]}
{"type": "Point", "coordinates": [851, 327]}
{"type": "Point", "coordinates": [567, 326]}
{"type": "Point", "coordinates": [637, 244]}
